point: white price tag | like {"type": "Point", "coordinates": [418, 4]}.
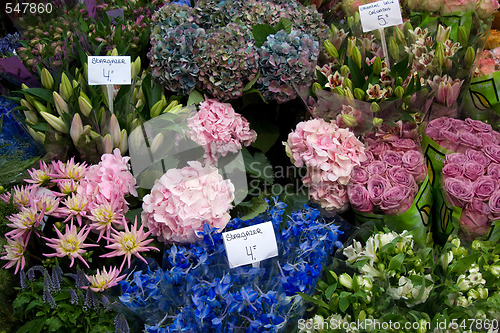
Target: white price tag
{"type": "Point", "coordinates": [250, 244]}
{"type": "Point", "coordinates": [109, 70]}
{"type": "Point", "coordinates": [380, 14]}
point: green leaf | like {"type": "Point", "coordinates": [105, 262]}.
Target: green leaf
{"type": "Point", "coordinates": [330, 277]}
{"type": "Point", "coordinates": [330, 290]}
{"type": "Point", "coordinates": [42, 127]}
{"type": "Point", "coordinates": [313, 300]}
{"type": "Point", "coordinates": [195, 97]}
{"type": "Point", "coordinates": [34, 326]}
{"type": "Point", "coordinates": [256, 206]}
{"type": "Point", "coordinates": [401, 68]}
{"type": "Point", "coordinates": [42, 93]}
{"type": "Point", "coordinates": [250, 84]}
{"type": "Point", "coordinates": [463, 264]}
{"type": "Point", "coordinates": [258, 166]}
{"type": "Point", "coordinates": [260, 33]}
{"type": "Point", "coordinates": [284, 24]}
{"type": "Point", "coordinates": [344, 300]}
{"type": "Point", "coordinates": [267, 133]}
{"type": "Point", "coordinates": [322, 79]}
{"type": "Point", "coordinates": [54, 324]}
{"type": "Point", "coordinates": [357, 77]}
{"type": "Point", "coordinates": [396, 261]}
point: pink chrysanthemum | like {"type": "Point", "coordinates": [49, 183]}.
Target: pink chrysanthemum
{"type": "Point", "coordinates": [75, 206]}
{"type": "Point", "coordinates": [21, 195]}
{"type": "Point", "coordinates": [70, 244]}
{"type": "Point", "coordinates": [40, 177]}
{"type": "Point", "coordinates": [129, 242]}
{"type": "Point", "coordinates": [219, 130]}
{"type": "Point", "coordinates": [24, 222]}
{"type": "Point", "coordinates": [103, 216]}
{"type": "Point", "coordinates": [68, 170]}
{"type": "Point", "coordinates": [14, 253]}
{"type": "Point", "coordinates": [183, 200]}
{"type": "Point", "coordinates": [103, 280]}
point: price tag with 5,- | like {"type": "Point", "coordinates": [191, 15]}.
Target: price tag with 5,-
{"type": "Point", "coordinates": [250, 245]}
{"type": "Point", "coordinates": [105, 70]}
{"type": "Point", "coordinates": [380, 14]}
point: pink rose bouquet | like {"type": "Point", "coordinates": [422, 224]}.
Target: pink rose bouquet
{"type": "Point", "coordinates": [461, 135]}
{"type": "Point", "coordinates": [183, 200]}
{"type": "Point", "coordinates": [471, 181]}
{"type": "Point", "coordinates": [330, 154]}
{"type": "Point", "coordinates": [388, 182]}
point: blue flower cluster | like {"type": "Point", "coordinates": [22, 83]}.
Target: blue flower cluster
{"type": "Point", "coordinates": [9, 44]}
{"type": "Point", "coordinates": [197, 292]}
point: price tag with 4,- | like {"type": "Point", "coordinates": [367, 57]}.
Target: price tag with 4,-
{"type": "Point", "coordinates": [104, 70]}
{"type": "Point", "coordinates": [380, 14]}
{"type": "Point", "coordinates": [250, 245]}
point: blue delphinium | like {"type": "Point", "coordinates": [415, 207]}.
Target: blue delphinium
{"type": "Point", "coordinates": [197, 292]}
{"type": "Point", "coordinates": [9, 44]}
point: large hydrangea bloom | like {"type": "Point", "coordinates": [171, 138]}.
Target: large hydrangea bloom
{"type": "Point", "coordinates": [183, 200]}
{"type": "Point", "coordinates": [285, 60]}
{"type": "Point", "coordinates": [173, 58]}
{"type": "Point", "coordinates": [219, 130]}
{"type": "Point", "coordinates": [229, 61]}
{"type": "Point", "coordinates": [329, 153]}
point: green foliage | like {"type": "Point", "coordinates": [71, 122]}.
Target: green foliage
{"type": "Point", "coordinates": [261, 31]}
{"type": "Point", "coordinates": [38, 316]}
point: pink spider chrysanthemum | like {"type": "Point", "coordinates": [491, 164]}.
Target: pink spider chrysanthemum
{"type": "Point", "coordinates": [66, 186]}
{"type": "Point", "coordinates": [24, 222]}
{"type": "Point", "coordinates": [21, 195]}
{"type": "Point", "coordinates": [103, 215]}
{"type": "Point", "coordinates": [103, 280]}
{"type": "Point", "coordinates": [70, 244]}
{"type": "Point", "coordinates": [129, 242]}
{"type": "Point", "coordinates": [42, 176]}
{"type": "Point", "coordinates": [69, 170]}
{"type": "Point", "coordinates": [76, 206]}
{"type": "Point", "coordinates": [14, 253]}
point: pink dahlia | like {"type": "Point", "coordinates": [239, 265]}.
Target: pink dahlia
{"type": "Point", "coordinates": [219, 130]}
{"type": "Point", "coordinates": [183, 200]}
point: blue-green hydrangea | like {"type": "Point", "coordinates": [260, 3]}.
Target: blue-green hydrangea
{"type": "Point", "coordinates": [211, 14]}
{"type": "Point", "coordinates": [173, 59]}
{"type": "Point", "coordinates": [253, 12]}
{"type": "Point", "coordinates": [286, 60]}
{"type": "Point", "coordinates": [229, 61]}
{"type": "Point", "coordinates": [170, 16]}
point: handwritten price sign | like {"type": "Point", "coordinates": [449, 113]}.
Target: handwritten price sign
{"type": "Point", "coordinates": [380, 14]}
{"type": "Point", "coordinates": [105, 70]}
{"type": "Point", "coordinates": [250, 245]}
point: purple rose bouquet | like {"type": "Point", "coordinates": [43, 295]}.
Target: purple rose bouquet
{"type": "Point", "coordinates": [388, 181]}
{"type": "Point", "coordinates": [471, 181]}
{"type": "Point", "coordinates": [461, 135]}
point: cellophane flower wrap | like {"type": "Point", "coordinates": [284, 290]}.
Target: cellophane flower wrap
{"type": "Point", "coordinates": [197, 292]}
{"type": "Point", "coordinates": [470, 153]}
{"type": "Point", "coordinates": [329, 154]}
{"type": "Point", "coordinates": [392, 180]}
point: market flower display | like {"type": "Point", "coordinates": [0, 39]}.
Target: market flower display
{"type": "Point", "coordinates": [329, 153]}
{"type": "Point", "coordinates": [197, 291]}
{"type": "Point", "coordinates": [183, 200]}
{"type": "Point", "coordinates": [219, 130]}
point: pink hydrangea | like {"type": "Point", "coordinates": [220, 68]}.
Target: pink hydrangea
{"type": "Point", "coordinates": [219, 130]}
{"type": "Point", "coordinates": [330, 151]}
{"type": "Point", "coordinates": [109, 180]}
{"type": "Point", "coordinates": [183, 200]}
{"type": "Point", "coordinates": [330, 154]}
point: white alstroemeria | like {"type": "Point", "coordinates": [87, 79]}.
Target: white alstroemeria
{"type": "Point", "coordinates": [476, 278]}
{"type": "Point", "coordinates": [352, 251]}
{"type": "Point", "coordinates": [372, 272]}
{"type": "Point", "coordinates": [446, 259]}
{"type": "Point", "coordinates": [463, 283]}
{"type": "Point", "coordinates": [462, 301]}
{"type": "Point", "coordinates": [385, 239]}
{"type": "Point", "coordinates": [495, 270]}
